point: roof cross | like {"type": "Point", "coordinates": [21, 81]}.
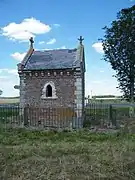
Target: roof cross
{"type": "Point", "coordinates": [31, 41]}
{"type": "Point", "coordinates": [81, 39]}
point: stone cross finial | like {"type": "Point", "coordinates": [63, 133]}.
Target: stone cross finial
{"type": "Point", "coordinates": [31, 41]}
{"type": "Point", "coordinates": [81, 39]}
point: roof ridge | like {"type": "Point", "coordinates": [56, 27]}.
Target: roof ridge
{"type": "Point", "coordinates": [55, 49]}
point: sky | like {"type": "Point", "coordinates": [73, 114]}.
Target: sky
{"type": "Point", "coordinates": [57, 24]}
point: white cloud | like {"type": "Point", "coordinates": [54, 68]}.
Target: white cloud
{"type": "Point", "coordinates": [101, 71]}
{"type": "Point", "coordinates": [98, 47]}
{"type": "Point", "coordinates": [9, 71]}
{"type": "Point", "coordinates": [9, 78]}
{"type": "Point", "coordinates": [56, 25]}
{"type": "Point", "coordinates": [101, 86]}
{"type": "Point", "coordinates": [3, 78]}
{"type": "Point", "coordinates": [62, 47]}
{"type": "Point", "coordinates": [41, 42]}
{"type": "Point", "coordinates": [47, 49]}
{"type": "Point", "coordinates": [7, 85]}
{"type": "Point", "coordinates": [51, 41]}
{"type": "Point", "coordinates": [13, 71]}
{"type": "Point", "coordinates": [27, 28]}
{"type": "Point", "coordinates": [18, 56]}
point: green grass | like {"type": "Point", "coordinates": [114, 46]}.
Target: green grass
{"type": "Point", "coordinates": [66, 155]}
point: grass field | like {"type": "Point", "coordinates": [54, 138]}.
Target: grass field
{"type": "Point", "coordinates": [5, 100]}
{"type": "Point", "coordinates": [66, 155]}
{"type": "Point", "coordinates": [9, 100]}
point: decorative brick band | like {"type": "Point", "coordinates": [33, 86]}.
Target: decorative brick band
{"type": "Point", "coordinates": [44, 73]}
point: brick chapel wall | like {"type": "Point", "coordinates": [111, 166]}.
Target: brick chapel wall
{"type": "Point", "coordinates": [32, 85]}
{"type": "Point", "coordinates": [68, 86]}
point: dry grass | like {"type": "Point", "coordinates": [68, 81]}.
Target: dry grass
{"type": "Point", "coordinates": [65, 156]}
{"type": "Point", "coordinates": [9, 100]}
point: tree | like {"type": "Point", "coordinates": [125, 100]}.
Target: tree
{"type": "Point", "coordinates": [119, 50]}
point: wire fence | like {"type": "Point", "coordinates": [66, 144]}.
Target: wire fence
{"type": "Point", "coordinates": [94, 115]}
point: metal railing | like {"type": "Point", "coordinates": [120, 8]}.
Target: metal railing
{"type": "Point", "coordinates": [95, 115]}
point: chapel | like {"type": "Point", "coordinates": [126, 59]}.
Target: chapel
{"type": "Point", "coordinates": [53, 78]}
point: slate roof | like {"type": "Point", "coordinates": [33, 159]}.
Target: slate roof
{"type": "Point", "coordinates": [53, 59]}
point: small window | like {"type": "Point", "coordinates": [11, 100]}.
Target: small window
{"type": "Point", "coordinates": [49, 91]}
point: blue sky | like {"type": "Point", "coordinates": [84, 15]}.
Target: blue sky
{"type": "Point", "coordinates": [57, 24]}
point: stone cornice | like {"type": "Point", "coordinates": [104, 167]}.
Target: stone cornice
{"type": "Point", "coordinates": [46, 73]}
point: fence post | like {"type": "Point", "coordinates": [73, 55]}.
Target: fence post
{"type": "Point", "coordinates": [114, 122]}
{"type": "Point", "coordinates": [83, 117]}
{"type": "Point", "coordinates": [131, 112]}
{"type": "Point", "coordinates": [110, 113]}
{"type": "Point", "coordinates": [26, 116]}
{"type": "Point", "coordinates": [112, 116]}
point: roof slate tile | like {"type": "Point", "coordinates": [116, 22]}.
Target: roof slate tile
{"type": "Point", "coordinates": [53, 59]}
